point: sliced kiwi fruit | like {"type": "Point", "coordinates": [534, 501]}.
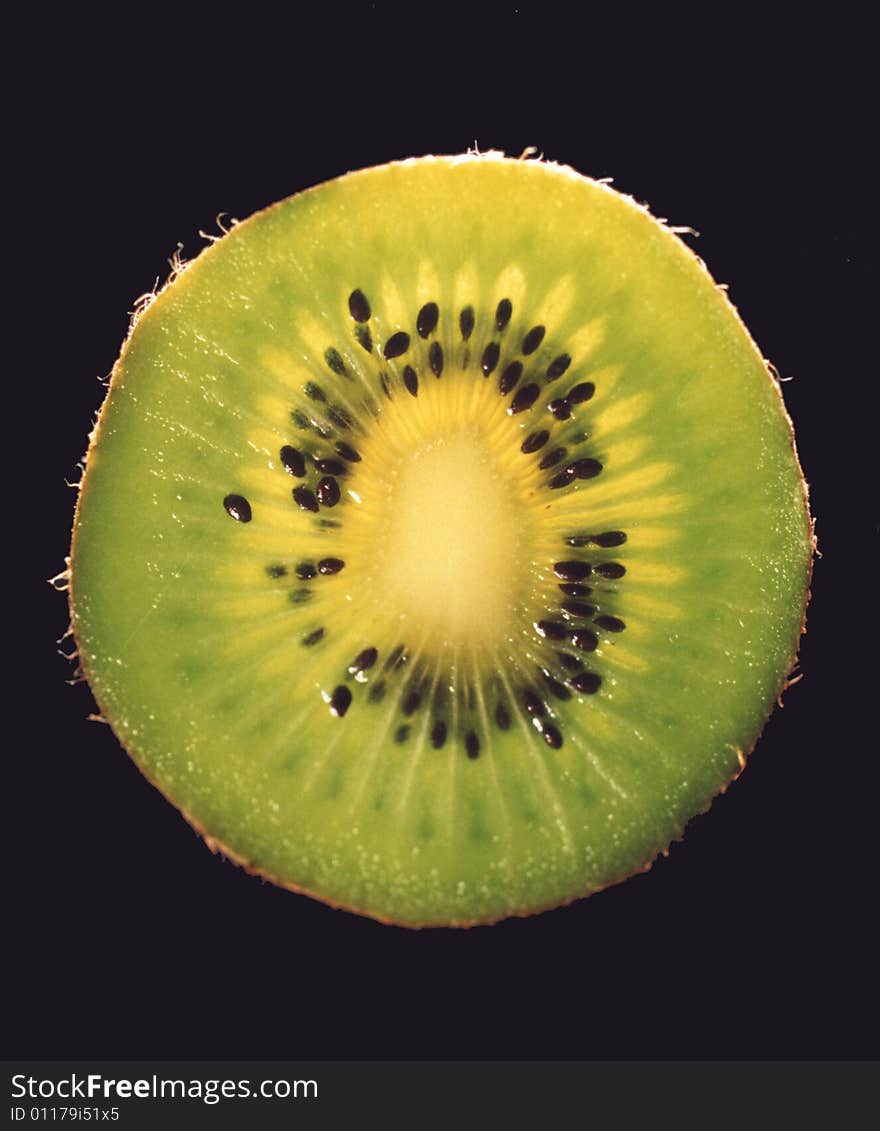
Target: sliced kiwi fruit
{"type": "Point", "coordinates": [442, 546]}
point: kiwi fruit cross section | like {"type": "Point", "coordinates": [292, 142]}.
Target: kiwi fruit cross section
{"type": "Point", "coordinates": [442, 546]}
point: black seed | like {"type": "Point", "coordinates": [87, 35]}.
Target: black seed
{"type": "Point", "coordinates": [383, 381]}
{"type": "Point", "coordinates": [509, 377]}
{"type": "Point", "coordinates": [524, 399]}
{"type": "Point", "coordinates": [238, 507]}
{"type": "Point", "coordinates": [569, 661]}
{"type": "Point", "coordinates": [435, 358]}
{"type": "Point", "coordinates": [551, 629]}
{"type": "Point", "coordinates": [276, 570]}
{"type": "Point", "coordinates": [578, 609]}
{"type": "Point", "coordinates": [466, 322]}
{"type": "Point", "coordinates": [305, 498]}
{"type": "Point", "coordinates": [294, 462]}
{"type": "Point", "coordinates": [427, 320]}
{"type": "Point", "coordinates": [558, 366]}
{"type": "Point", "coordinates": [572, 571]}
{"type": "Point", "coordinates": [396, 653]}
{"type": "Point", "coordinates": [364, 660]}
{"type": "Point", "coordinates": [334, 360]}
{"type": "Point", "coordinates": [438, 734]}
{"type": "Point", "coordinates": [502, 313]}
{"type": "Point", "coordinates": [581, 393]}
{"type": "Point", "coordinates": [585, 640]}
{"type": "Point", "coordinates": [340, 701]}
{"type": "Point", "coordinates": [490, 358]}
{"type": "Point", "coordinates": [502, 718]}
{"type": "Point", "coordinates": [328, 491]}
{"type": "Point", "coordinates": [305, 571]}
{"type": "Point", "coordinates": [533, 339]}
{"type": "Point", "coordinates": [312, 638]}
{"type": "Point", "coordinates": [552, 458]}
{"type": "Point", "coordinates": [329, 523]}
{"type": "Point", "coordinates": [560, 408]}
{"type": "Point", "coordinates": [358, 306]}
{"type": "Point", "coordinates": [472, 745]}
{"type": "Point", "coordinates": [533, 704]}
{"type": "Point", "coordinates": [552, 736]}
{"type": "Point", "coordinates": [401, 734]}
{"type": "Point", "coordinates": [364, 337]}
{"type": "Point", "coordinates": [330, 466]}
{"type": "Point", "coordinates": [561, 480]}
{"type": "Point", "coordinates": [377, 692]}
{"type": "Point", "coordinates": [556, 688]}
{"type": "Point", "coordinates": [314, 392]}
{"type": "Point", "coordinates": [299, 596]}
{"type": "Point", "coordinates": [610, 624]}
{"type": "Point", "coordinates": [300, 419]}
{"type": "Point", "coordinates": [347, 452]}
{"type": "Point", "coordinates": [607, 540]}
{"type": "Point", "coordinates": [611, 570]}
{"type": "Point", "coordinates": [588, 683]}
{"type": "Point", "coordinates": [535, 441]}
{"type": "Point", "coordinates": [396, 345]}
{"type": "Point", "coordinates": [411, 380]}
{"type": "Point", "coordinates": [411, 703]}
{"type": "Point", "coordinates": [340, 416]}
{"type": "Point", "coordinates": [584, 468]}
{"type": "Point", "coordinates": [327, 566]}
{"type": "Point", "coordinates": [576, 590]}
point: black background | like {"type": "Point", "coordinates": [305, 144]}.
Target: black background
{"type": "Point", "coordinates": [125, 936]}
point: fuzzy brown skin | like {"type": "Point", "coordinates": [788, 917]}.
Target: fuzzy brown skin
{"type": "Point", "coordinates": [216, 846]}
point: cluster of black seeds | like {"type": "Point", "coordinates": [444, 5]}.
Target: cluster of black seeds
{"type": "Point", "coordinates": [573, 625]}
{"type": "Point", "coordinates": [321, 486]}
{"type": "Point", "coordinates": [523, 364]}
{"type": "Point", "coordinates": [528, 370]}
{"type": "Point", "coordinates": [415, 694]}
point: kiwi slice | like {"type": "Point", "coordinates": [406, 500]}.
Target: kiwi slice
{"type": "Point", "coordinates": [442, 546]}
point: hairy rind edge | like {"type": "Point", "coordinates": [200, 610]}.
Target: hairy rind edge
{"type": "Point", "coordinates": [147, 301]}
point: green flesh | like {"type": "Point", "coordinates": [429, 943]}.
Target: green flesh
{"type": "Point", "coordinates": [194, 650]}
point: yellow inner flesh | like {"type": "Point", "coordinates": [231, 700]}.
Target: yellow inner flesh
{"type": "Point", "coordinates": [449, 555]}
{"type": "Point", "coordinates": [440, 501]}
